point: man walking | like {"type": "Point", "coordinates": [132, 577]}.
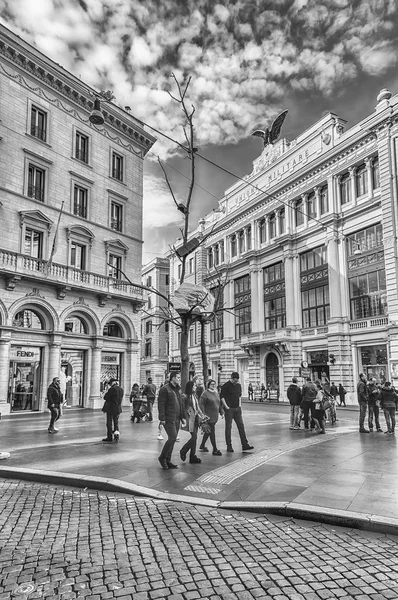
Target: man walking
{"type": "Point", "coordinates": [294, 396]}
{"type": "Point", "coordinates": [113, 407]}
{"type": "Point", "coordinates": [363, 397]}
{"type": "Point", "coordinates": [230, 395]}
{"type": "Point", "coordinates": [171, 415]}
{"type": "Point", "coordinates": [54, 403]}
{"type": "Point", "coordinates": [150, 393]}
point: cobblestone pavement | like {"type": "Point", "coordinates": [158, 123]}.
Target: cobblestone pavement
{"type": "Point", "coordinates": [63, 543]}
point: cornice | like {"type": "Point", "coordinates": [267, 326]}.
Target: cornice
{"type": "Point", "coordinates": [62, 85]}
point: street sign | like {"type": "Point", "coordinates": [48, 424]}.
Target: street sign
{"type": "Point", "coordinates": [173, 367]}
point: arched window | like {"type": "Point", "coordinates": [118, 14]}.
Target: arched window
{"type": "Point", "coordinates": [113, 329]}
{"type": "Point", "coordinates": [28, 319]}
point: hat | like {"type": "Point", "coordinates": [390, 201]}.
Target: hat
{"type": "Point", "coordinates": [234, 375]}
{"type": "Point", "coordinates": [111, 381]}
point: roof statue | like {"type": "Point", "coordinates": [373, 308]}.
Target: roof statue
{"type": "Point", "coordinates": [270, 135]}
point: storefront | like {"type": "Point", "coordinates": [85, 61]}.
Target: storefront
{"type": "Point", "coordinates": [373, 362]}
{"type": "Point", "coordinates": [110, 368]}
{"type": "Point", "coordinates": [72, 380]}
{"type": "Point", "coordinates": [24, 378]}
{"type": "Point", "coordinates": [318, 365]}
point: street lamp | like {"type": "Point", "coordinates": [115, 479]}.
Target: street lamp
{"type": "Point", "coordinates": [96, 117]}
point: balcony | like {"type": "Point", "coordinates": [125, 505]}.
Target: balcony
{"type": "Point", "coordinates": [266, 337]}
{"type": "Point", "coordinates": [18, 266]}
{"type": "Point", "coordinates": [369, 323]}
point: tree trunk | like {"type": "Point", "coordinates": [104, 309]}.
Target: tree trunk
{"type": "Point", "coordinates": [185, 325]}
{"type": "Point", "coordinates": [205, 366]}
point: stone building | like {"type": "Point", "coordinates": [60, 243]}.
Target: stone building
{"type": "Point", "coordinates": [71, 221]}
{"type": "Point", "coordinates": [308, 244]}
{"type": "Point", "coordinates": [154, 328]}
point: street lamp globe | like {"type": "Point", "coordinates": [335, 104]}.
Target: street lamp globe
{"type": "Point", "coordinates": [96, 117]}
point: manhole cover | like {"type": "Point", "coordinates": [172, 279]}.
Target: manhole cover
{"type": "Point", "coordinates": [25, 588]}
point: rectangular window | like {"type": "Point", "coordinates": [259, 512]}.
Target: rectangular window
{"type": "Point", "coordinates": [361, 180]}
{"type": "Point", "coordinates": [261, 231]}
{"type": "Point", "coordinates": [191, 269]}
{"type": "Point", "coordinates": [149, 281]}
{"type": "Point", "coordinates": [192, 337]}
{"type": "Point", "coordinates": [368, 295]}
{"type": "Point", "coordinates": [210, 258]}
{"type": "Point", "coordinates": [375, 173]}
{"type": "Point", "coordinates": [345, 188]}
{"type": "Point", "coordinates": [217, 324]}
{"type": "Point", "coordinates": [116, 216]}
{"type": "Point", "coordinates": [148, 327]}
{"type": "Point", "coordinates": [241, 241]}
{"type": "Point", "coordinates": [80, 196]}
{"type": "Point", "coordinates": [81, 147]}
{"type": "Point", "coordinates": [315, 306]}
{"type": "Point", "coordinates": [299, 213]}
{"type": "Point", "coordinates": [366, 239]}
{"type": "Point", "coordinates": [148, 348]}
{"type": "Point", "coordinates": [167, 278]}
{"type": "Point", "coordinates": [216, 255]}
{"type": "Point", "coordinates": [324, 199]}
{"type": "Point", "coordinates": [242, 306]}
{"type": "Point", "coordinates": [249, 238]}
{"type": "Point", "coordinates": [275, 313]}
{"type": "Point", "coordinates": [233, 246]}
{"type": "Point", "coordinates": [311, 206]}
{"type": "Point", "coordinates": [36, 183]}
{"type": "Point", "coordinates": [282, 221]}
{"type": "Point", "coordinates": [33, 243]}
{"type": "Point", "coordinates": [221, 251]}
{"type": "Point", "coordinates": [38, 123]}
{"type": "Point", "coordinates": [78, 256]}
{"type": "Point", "coordinates": [117, 166]}
{"type": "Point", "coordinates": [313, 258]}
{"type": "Point", "coordinates": [272, 226]}
{"type": "Point", "coordinates": [114, 266]}
{"type": "Point", "coordinates": [274, 296]}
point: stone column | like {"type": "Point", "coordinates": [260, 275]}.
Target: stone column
{"type": "Point", "coordinates": [337, 195]}
{"type": "Point", "coordinates": [317, 191]}
{"type": "Point", "coordinates": [353, 190]}
{"type": "Point", "coordinates": [305, 209]}
{"type": "Point", "coordinates": [334, 279]}
{"type": "Point", "coordinates": [5, 343]}
{"type": "Point", "coordinates": [54, 362]}
{"type": "Point", "coordinates": [95, 400]}
{"type": "Point", "coordinates": [289, 217]}
{"type": "Point", "coordinates": [368, 164]}
{"type": "Point", "coordinates": [291, 289]}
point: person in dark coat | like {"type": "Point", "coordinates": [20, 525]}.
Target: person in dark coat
{"type": "Point", "coordinates": [54, 403]}
{"type": "Point", "coordinates": [113, 407]}
{"type": "Point", "coordinates": [373, 405]}
{"type": "Point", "coordinates": [294, 396]}
{"type": "Point", "coordinates": [193, 416]}
{"type": "Point", "coordinates": [363, 398]}
{"type": "Point", "coordinates": [250, 392]}
{"type": "Point", "coordinates": [342, 394]}
{"type": "Point", "coordinates": [150, 392]}
{"type": "Point", "coordinates": [230, 396]}
{"type": "Point", "coordinates": [389, 404]}
{"type": "Point", "coordinates": [309, 393]}
{"type": "Point", "coordinates": [171, 414]}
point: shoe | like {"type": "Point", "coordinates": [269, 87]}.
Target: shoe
{"type": "Point", "coordinates": [291, 427]}
{"type": "Point", "coordinates": [379, 431]}
{"type": "Point", "coordinates": [230, 449]}
{"type": "Point", "coordinates": [321, 431]}
{"type": "Point", "coordinates": [107, 440]}
{"type": "Point", "coordinates": [183, 455]}
{"type": "Point", "coordinates": [296, 428]}
{"type": "Point", "coordinates": [160, 437]}
{"type": "Point", "coordinates": [204, 449]}
{"type": "Point", "coordinates": [371, 429]}
{"type": "Point", "coordinates": [116, 436]}
{"type": "Point", "coordinates": [364, 431]}
{"type": "Point", "coordinates": [51, 431]}
{"type": "Point", "coordinates": [163, 463]}
{"type": "Point", "coordinates": [244, 448]}
{"type": "Point", "coordinates": [56, 429]}
{"type": "Point", "coordinates": [178, 439]}
{"type": "Point", "coordinates": [194, 460]}
{"type": "Point", "coordinates": [217, 453]}
{"type": "Point", "coordinates": [150, 420]}
{"type": "Point", "coordinates": [171, 465]}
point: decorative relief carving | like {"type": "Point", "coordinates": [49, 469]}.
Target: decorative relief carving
{"type": "Point", "coordinates": [36, 293]}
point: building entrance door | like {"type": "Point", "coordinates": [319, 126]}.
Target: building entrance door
{"type": "Point", "coordinates": [72, 376]}
{"type": "Point", "coordinates": [272, 377]}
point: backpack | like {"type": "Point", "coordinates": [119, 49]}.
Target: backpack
{"type": "Point", "coordinates": [309, 391]}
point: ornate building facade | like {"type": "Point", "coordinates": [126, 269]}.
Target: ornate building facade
{"type": "Point", "coordinates": [308, 245]}
{"type": "Point", "coordinates": [71, 220]}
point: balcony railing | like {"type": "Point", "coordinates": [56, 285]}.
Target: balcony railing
{"type": "Point", "coordinates": [39, 133]}
{"type": "Point", "coordinates": [374, 322]}
{"type": "Point", "coordinates": [20, 264]}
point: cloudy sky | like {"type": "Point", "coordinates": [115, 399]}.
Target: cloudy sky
{"type": "Point", "coordinates": [248, 59]}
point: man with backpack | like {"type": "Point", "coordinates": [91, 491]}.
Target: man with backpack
{"type": "Point", "coordinates": [309, 393]}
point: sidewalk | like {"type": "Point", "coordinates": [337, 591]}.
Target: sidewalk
{"type": "Point", "coordinates": [342, 478]}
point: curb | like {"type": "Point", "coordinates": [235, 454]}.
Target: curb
{"type": "Point", "coordinates": [320, 514]}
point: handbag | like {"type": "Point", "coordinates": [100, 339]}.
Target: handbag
{"type": "Point", "coordinates": [204, 426]}
{"type": "Point", "coordinates": [325, 404]}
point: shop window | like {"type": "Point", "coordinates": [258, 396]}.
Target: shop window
{"type": "Point", "coordinates": [28, 319]}
{"type": "Point", "coordinates": [345, 189]}
{"type": "Point", "coordinates": [113, 329]}
{"type": "Point", "coordinates": [80, 201]}
{"type": "Point", "coordinates": [36, 182]}
{"type": "Point", "coordinates": [38, 123]}
{"type": "Point", "coordinates": [361, 180]}
{"type": "Point", "coordinates": [81, 147]}
{"type": "Point", "coordinates": [299, 212]}
{"type": "Point", "coordinates": [324, 196]}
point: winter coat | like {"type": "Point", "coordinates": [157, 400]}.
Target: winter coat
{"type": "Point", "coordinates": [294, 394]}
{"type": "Point", "coordinates": [362, 392]}
{"type": "Point", "coordinates": [54, 396]}
{"type": "Point", "coordinates": [149, 391]}
{"type": "Point", "coordinates": [192, 411]}
{"type": "Point", "coordinates": [373, 394]}
{"type": "Point", "coordinates": [309, 391]}
{"type": "Point", "coordinates": [388, 398]}
{"type": "Point", "coordinates": [170, 404]}
{"type": "Point", "coordinates": [113, 400]}
{"type": "Point", "coordinates": [334, 390]}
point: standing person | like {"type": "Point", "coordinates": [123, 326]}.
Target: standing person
{"type": "Point", "coordinates": [250, 392]}
{"type": "Point", "coordinates": [342, 394]}
{"type": "Point", "coordinates": [136, 402]}
{"type": "Point", "coordinates": [54, 403]}
{"type": "Point", "coordinates": [362, 393]}
{"type": "Point", "coordinates": [389, 404]}
{"type": "Point", "coordinates": [334, 391]}
{"type": "Point", "coordinates": [318, 411]}
{"type": "Point", "coordinates": [231, 394]}
{"type": "Point", "coordinates": [263, 393]}
{"type": "Point", "coordinates": [193, 415]}
{"type": "Point", "coordinates": [294, 396]}
{"type": "Point", "coordinates": [113, 407]}
{"type": "Point", "coordinates": [210, 406]}
{"type": "Point", "coordinates": [309, 393]}
{"type": "Point", "coordinates": [150, 392]}
{"type": "Point", "coordinates": [373, 404]}
{"type": "Point", "coordinates": [171, 415]}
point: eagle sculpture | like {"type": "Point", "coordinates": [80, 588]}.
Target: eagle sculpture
{"type": "Point", "coordinates": [270, 135]}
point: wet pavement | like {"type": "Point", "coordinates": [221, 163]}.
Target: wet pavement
{"type": "Point", "coordinates": [329, 477]}
{"type": "Point", "coordinates": [64, 543]}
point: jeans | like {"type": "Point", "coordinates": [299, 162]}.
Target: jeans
{"type": "Point", "coordinates": [55, 415]}
{"type": "Point", "coordinates": [191, 443]}
{"type": "Point", "coordinates": [112, 425]}
{"type": "Point", "coordinates": [373, 411]}
{"type": "Point", "coordinates": [149, 404]}
{"type": "Point", "coordinates": [389, 415]}
{"type": "Point", "coordinates": [172, 432]}
{"type": "Point", "coordinates": [362, 414]}
{"type": "Point", "coordinates": [294, 415]}
{"type": "Point", "coordinates": [211, 435]}
{"type": "Point", "coordinates": [307, 408]}
{"type": "Point", "coordinates": [234, 414]}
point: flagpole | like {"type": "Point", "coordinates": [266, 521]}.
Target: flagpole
{"type": "Point", "coordinates": [55, 240]}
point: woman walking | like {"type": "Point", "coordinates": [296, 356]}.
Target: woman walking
{"type": "Point", "coordinates": [210, 405]}
{"type": "Point", "coordinates": [193, 415]}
